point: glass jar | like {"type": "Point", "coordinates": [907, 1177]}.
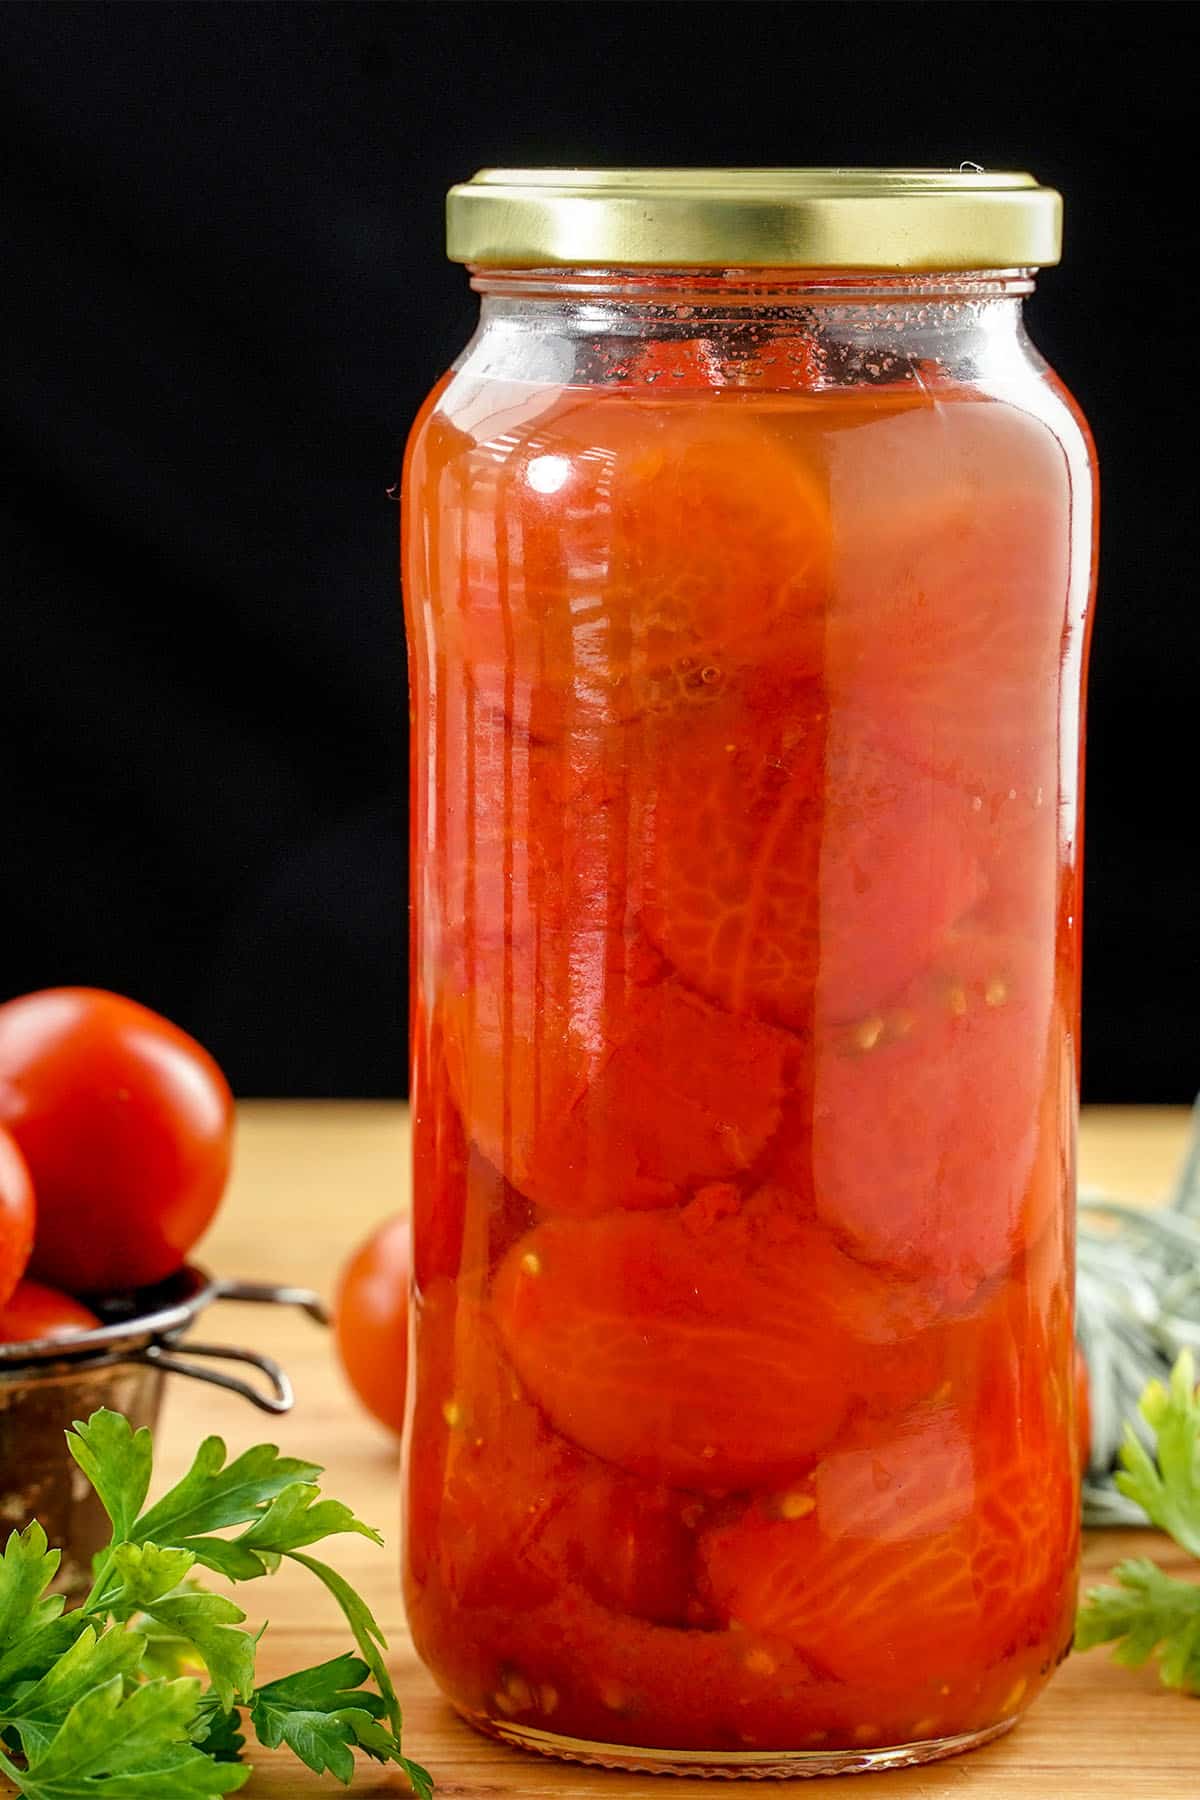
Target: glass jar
{"type": "Point", "coordinates": [748, 613]}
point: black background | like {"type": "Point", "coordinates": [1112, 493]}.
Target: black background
{"type": "Point", "coordinates": [225, 296]}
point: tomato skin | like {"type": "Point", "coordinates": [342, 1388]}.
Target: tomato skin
{"type": "Point", "coordinates": [17, 1214]}
{"type": "Point", "coordinates": [34, 1311]}
{"type": "Point", "coordinates": [126, 1123]}
{"type": "Point", "coordinates": [371, 1320]}
{"type": "Point", "coordinates": [712, 1348]}
{"type": "Point", "coordinates": [501, 1511]}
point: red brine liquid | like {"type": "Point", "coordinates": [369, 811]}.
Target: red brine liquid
{"type": "Point", "coordinates": [746, 982]}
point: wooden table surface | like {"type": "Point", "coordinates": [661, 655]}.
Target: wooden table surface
{"type": "Point", "coordinates": [311, 1179]}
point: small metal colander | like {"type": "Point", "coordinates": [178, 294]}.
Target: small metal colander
{"type": "Point", "coordinates": [47, 1384]}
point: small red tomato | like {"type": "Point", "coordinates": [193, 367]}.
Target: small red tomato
{"type": "Point", "coordinates": [1083, 1408]}
{"type": "Point", "coordinates": [126, 1124]}
{"type": "Point", "coordinates": [34, 1311]}
{"type": "Point", "coordinates": [371, 1320]}
{"type": "Point", "coordinates": [16, 1215]}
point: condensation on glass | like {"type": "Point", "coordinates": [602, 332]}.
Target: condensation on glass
{"type": "Point", "coordinates": [748, 617]}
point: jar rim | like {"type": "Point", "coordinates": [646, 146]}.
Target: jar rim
{"type": "Point", "coordinates": [824, 218]}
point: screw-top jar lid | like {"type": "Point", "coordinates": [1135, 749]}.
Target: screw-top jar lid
{"type": "Point", "coordinates": [928, 219]}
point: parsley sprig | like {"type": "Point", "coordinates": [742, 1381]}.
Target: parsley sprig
{"type": "Point", "coordinates": [142, 1691]}
{"type": "Point", "coordinates": [1149, 1613]}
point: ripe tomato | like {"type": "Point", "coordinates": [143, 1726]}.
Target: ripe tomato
{"type": "Point", "coordinates": [897, 1174]}
{"type": "Point", "coordinates": [796, 860]}
{"type": "Point", "coordinates": [503, 1512]}
{"type": "Point", "coordinates": [34, 1311]}
{"type": "Point", "coordinates": [949, 600]}
{"type": "Point", "coordinates": [650, 555]}
{"type": "Point", "coordinates": [907, 1557]}
{"type": "Point", "coordinates": [16, 1215]}
{"type": "Point", "coordinates": [371, 1320]}
{"type": "Point", "coordinates": [126, 1124]}
{"type": "Point", "coordinates": [646, 1091]}
{"type": "Point", "coordinates": [465, 1215]}
{"type": "Point", "coordinates": [712, 1348]}
{"type": "Point", "coordinates": [582, 1070]}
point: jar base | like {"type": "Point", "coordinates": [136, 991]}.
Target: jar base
{"type": "Point", "coordinates": [734, 1765]}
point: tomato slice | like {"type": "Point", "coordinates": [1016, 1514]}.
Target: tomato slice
{"type": "Point", "coordinates": [686, 1096]}
{"type": "Point", "coordinates": [502, 1512]}
{"type": "Point", "coordinates": [948, 603]}
{"type": "Point", "coordinates": [465, 1214]}
{"type": "Point", "coordinates": [625, 1098]}
{"type": "Point", "coordinates": [633, 558]}
{"type": "Point", "coordinates": [909, 1555]}
{"type": "Point", "coordinates": [797, 859]}
{"type": "Point", "coordinates": [713, 1347]}
{"type": "Point", "coordinates": [576, 1668]}
{"type": "Point", "coordinates": [937, 1123]}
{"type": "Point", "coordinates": [866, 1566]}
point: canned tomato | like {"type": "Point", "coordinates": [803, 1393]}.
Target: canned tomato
{"type": "Point", "coordinates": [748, 564]}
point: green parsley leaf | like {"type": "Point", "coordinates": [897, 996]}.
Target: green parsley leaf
{"type": "Point", "coordinates": [299, 1516]}
{"type": "Point", "coordinates": [320, 1714]}
{"type": "Point", "coordinates": [128, 1747]}
{"type": "Point", "coordinates": [213, 1495]}
{"type": "Point", "coordinates": [209, 1621]}
{"type": "Point", "coordinates": [1167, 1485]}
{"type": "Point", "coordinates": [221, 1732]}
{"type": "Point", "coordinates": [118, 1462]}
{"type": "Point", "coordinates": [152, 1585]}
{"type": "Point", "coordinates": [96, 1701]}
{"type": "Point", "coordinates": [1148, 1612]}
{"type": "Point", "coordinates": [367, 1634]}
{"type": "Point", "coordinates": [167, 1656]}
{"type": "Point", "coordinates": [146, 1573]}
{"type": "Point", "coordinates": [27, 1568]}
{"type": "Point", "coordinates": [379, 1743]}
{"type": "Point", "coordinates": [33, 1632]}
{"type": "Point", "coordinates": [371, 1643]}
{"type": "Point", "coordinates": [91, 1662]}
{"type": "Point", "coordinates": [225, 1556]}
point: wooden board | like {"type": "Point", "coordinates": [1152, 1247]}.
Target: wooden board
{"type": "Point", "coordinates": [311, 1179]}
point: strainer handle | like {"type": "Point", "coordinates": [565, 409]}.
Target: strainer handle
{"type": "Point", "coordinates": [269, 1293]}
{"type": "Point", "coordinates": [278, 1397]}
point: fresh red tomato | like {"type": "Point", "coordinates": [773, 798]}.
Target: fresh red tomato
{"type": "Point", "coordinates": [16, 1215]}
{"type": "Point", "coordinates": [34, 1311]}
{"type": "Point", "coordinates": [371, 1320]}
{"type": "Point", "coordinates": [126, 1124]}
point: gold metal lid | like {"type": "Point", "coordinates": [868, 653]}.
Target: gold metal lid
{"type": "Point", "coordinates": [754, 218]}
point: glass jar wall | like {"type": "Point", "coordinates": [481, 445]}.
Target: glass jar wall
{"type": "Point", "coordinates": [747, 620]}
